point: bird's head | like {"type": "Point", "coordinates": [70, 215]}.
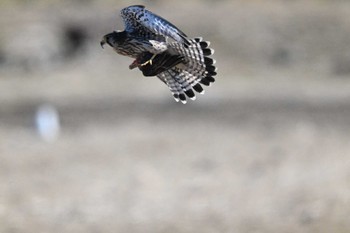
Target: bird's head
{"type": "Point", "coordinates": [113, 38]}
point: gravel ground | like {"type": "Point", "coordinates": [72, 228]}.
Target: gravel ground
{"type": "Point", "coordinates": [266, 149]}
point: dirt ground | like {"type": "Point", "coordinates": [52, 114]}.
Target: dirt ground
{"type": "Point", "coordinates": [266, 149]}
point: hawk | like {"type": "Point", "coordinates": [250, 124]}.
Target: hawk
{"type": "Point", "coordinates": [160, 49]}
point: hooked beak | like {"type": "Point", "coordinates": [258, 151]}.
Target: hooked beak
{"type": "Point", "coordinates": [103, 41]}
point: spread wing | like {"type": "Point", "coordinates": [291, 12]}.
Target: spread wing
{"type": "Point", "coordinates": [142, 22]}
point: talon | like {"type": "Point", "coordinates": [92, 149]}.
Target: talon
{"type": "Point", "coordinates": [145, 63]}
{"type": "Point", "coordinates": [150, 61]}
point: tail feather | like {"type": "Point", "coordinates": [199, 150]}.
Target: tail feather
{"type": "Point", "coordinates": [196, 68]}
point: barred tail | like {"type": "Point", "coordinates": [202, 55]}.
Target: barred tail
{"type": "Point", "coordinates": [195, 70]}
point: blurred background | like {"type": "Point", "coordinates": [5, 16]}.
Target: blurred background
{"type": "Point", "coordinates": [86, 145]}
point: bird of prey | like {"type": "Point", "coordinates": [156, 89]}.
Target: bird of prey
{"type": "Point", "coordinates": [160, 49]}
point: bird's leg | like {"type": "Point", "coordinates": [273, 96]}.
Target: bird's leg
{"type": "Point", "coordinates": [149, 61]}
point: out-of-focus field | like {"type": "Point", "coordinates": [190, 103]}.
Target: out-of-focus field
{"type": "Point", "coordinates": [266, 149]}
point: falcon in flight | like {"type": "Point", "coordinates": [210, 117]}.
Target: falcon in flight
{"type": "Point", "coordinates": [161, 49]}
